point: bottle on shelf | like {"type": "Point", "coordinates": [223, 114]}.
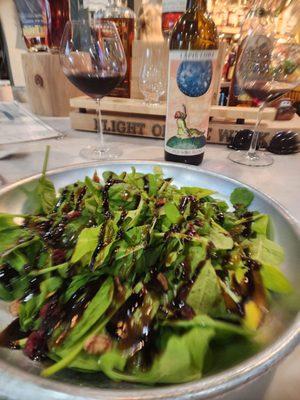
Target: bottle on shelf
{"type": "Point", "coordinates": [4, 71]}
{"type": "Point", "coordinates": [192, 59]}
{"type": "Point", "coordinates": [124, 18]}
{"type": "Point", "coordinates": [172, 10]}
{"type": "Point", "coordinates": [150, 21]}
{"type": "Point", "coordinates": [58, 14]}
{"type": "Point", "coordinates": [231, 64]}
{"type": "Point", "coordinates": [33, 19]}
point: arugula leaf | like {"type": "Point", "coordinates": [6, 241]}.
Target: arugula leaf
{"type": "Point", "coordinates": [241, 197]}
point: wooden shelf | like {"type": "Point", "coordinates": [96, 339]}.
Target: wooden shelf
{"type": "Point", "coordinates": [137, 106]}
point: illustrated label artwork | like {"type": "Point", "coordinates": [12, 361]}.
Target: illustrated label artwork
{"type": "Point", "coordinates": [190, 90]}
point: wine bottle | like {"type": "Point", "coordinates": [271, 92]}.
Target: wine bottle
{"type": "Point", "coordinates": [172, 10]}
{"type": "Point", "coordinates": [58, 14]}
{"type": "Point", "coordinates": [33, 19]}
{"type": "Point", "coordinates": [124, 18]}
{"type": "Point", "coordinates": [192, 59]}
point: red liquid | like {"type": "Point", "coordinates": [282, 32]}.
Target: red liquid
{"type": "Point", "coordinates": [58, 15]}
{"type": "Point", "coordinates": [168, 22]}
{"type": "Point", "coordinates": [93, 85]}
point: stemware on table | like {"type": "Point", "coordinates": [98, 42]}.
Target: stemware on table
{"type": "Point", "coordinates": [93, 59]}
{"type": "Point", "coordinates": [269, 66]}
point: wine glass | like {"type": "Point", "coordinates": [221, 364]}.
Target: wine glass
{"type": "Point", "coordinates": [152, 81]}
{"type": "Point", "coordinates": [266, 69]}
{"type": "Point", "coordinates": [93, 59]}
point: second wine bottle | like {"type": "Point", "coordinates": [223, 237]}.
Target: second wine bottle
{"type": "Point", "coordinates": [193, 53]}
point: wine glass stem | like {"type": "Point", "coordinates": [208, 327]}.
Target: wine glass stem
{"type": "Point", "coordinates": [254, 140]}
{"type": "Point", "coordinates": [100, 127]}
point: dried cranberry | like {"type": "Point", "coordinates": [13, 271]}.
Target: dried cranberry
{"type": "Point", "coordinates": [36, 345]}
{"type": "Point", "coordinates": [73, 214]}
{"type": "Point", "coordinates": [58, 256]}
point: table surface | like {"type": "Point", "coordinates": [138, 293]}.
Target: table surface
{"type": "Point", "coordinates": [280, 181]}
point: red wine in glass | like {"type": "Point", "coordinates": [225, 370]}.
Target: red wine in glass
{"type": "Point", "coordinates": [94, 85]}
{"type": "Point", "coordinates": [266, 70]}
{"type": "Point", "coordinates": [93, 59]}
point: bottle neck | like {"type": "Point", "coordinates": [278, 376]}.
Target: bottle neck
{"type": "Point", "coordinates": [200, 4]}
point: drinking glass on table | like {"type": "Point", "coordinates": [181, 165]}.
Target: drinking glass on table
{"type": "Point", "coordinates": [267, 69]}
{"type": "Point", "coordinates": [152, 80]}
{"type": "Point", "coordinates": [93, 59]}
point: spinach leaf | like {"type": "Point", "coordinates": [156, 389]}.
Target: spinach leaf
{"type": "Point", "coordinates": [172, 213]}
{"type": "Point", "coordinates": [204, 321]}
{"type": "Point", "coordinates": [266, 251]}
{"type": "Point", "coordinates": [91, 315]}
{"type": "Point", "coordinates": [181, 359]}
{"type": "Point", "coordinates": [13, 236]}
{"type": "Point", "coordinates": [42, 198]}
{"type": "Point", "coordinates": [261, 224]}
{"type": "Point", "coordinates": [30, 308]}
{"type": "Point", "coordinates": [205, 296]}
{"type": "Point", "coordinates": [199, 193]}
{"type": "Point", "coordinates": [220, 237]}
{"type": "Point", "coordinates": [275, 280]}
{"type": "Point", "coordinates": [86, 243]}
{"type": "Point", "coordinates": [241, 197]}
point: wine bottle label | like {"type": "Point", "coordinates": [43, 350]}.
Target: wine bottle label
{"type": "Point", "coordinates": [190, 88]}
{"type": "Point", "coordinates": [170, 6]}
{"type": "Point", "coordinates": [32, 17]}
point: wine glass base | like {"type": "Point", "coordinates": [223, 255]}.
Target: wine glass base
{"type": "Point", "coordinates": [255, 160]}
{"type": "Point", "coordinates": [100, 152]}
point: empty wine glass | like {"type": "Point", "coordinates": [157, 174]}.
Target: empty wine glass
{"type": "Point", "coordinates": [152, 80]}
{"type": "Point", "coordinates": [266, 69]}
{"type": "Point", "coordinates": [93, 59]}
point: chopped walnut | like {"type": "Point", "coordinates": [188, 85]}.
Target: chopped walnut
{"type": "Point", "coordinates": [163, 281]}
{"type": "Point", "coordinates": [96, 177]}
{"type": "Point", "coordinates": [14, 308]}
{"type": "Point", "coordinates": [98, 344]}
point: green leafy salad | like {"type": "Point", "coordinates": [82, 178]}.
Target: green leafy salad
{"type": "Point", "coordinates": [129, 275]}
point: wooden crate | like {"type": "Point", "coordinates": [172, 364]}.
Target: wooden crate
{"type": "Point", "coordinates": [131, 117]}
{"type": "Point", "coordinates": [48, 90]}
